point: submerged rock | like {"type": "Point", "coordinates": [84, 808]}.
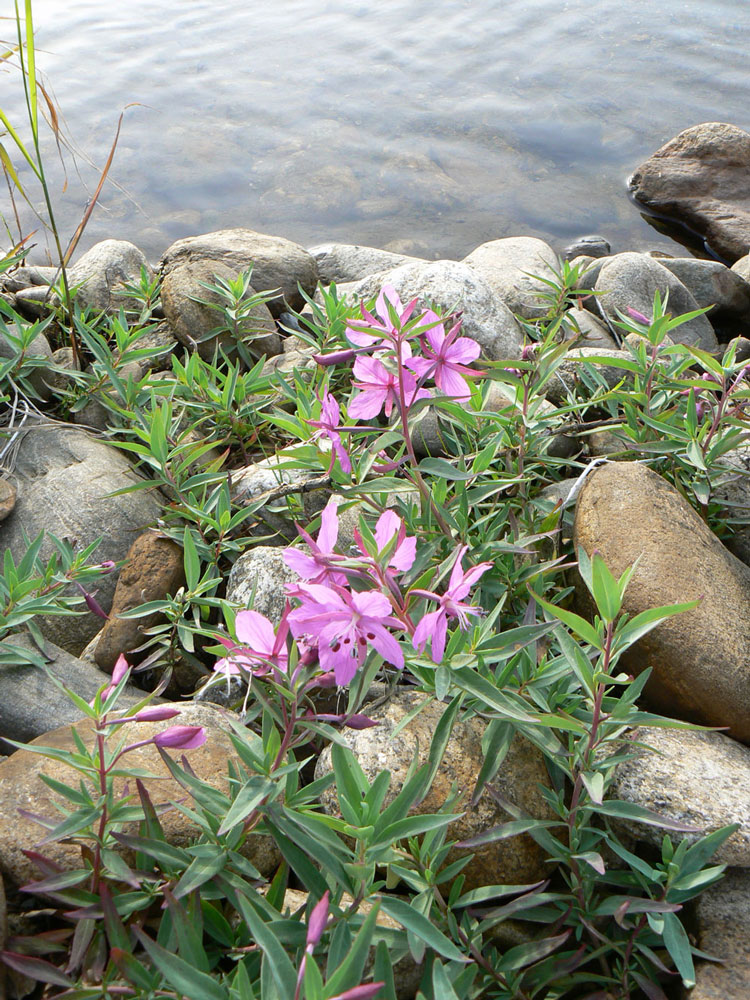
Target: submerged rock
{"type": "Point", "coordinates": [701, 658]}
{"type": "Point", "coordinates": [701, 179]}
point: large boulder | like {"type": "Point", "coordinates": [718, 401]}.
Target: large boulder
{"type": "Point", "coordinates": [194, 323]}
{"type": "Point", "coordinates": [257, 581]}
{"type": "Point", "coordinates": [153, 570]}
{"type": "Point", "coordinates": [722, 919]}
{"type": "Point", "coordinates": [701, 179]}
{"type": "Point", "coordinates": [343, 262]}
{"type": "Point", "coordinates": [31, 704]}
{"type": "Point", "coordinates": [700, 658]}
{"type": "Point", "coordinates": [277, 263]}
{"type": "Point", "coordinates": [22, 788]}
{"type": "Point", "coordinates": [713, 284]}
{"type": "Point", "coordinates": [511, 267]}
{"type": "Point", "coordinates": [99, 277]}
{"type": "Point", "coordinates": [451, 286]}
{"type": "Point", "coordinates": [65, 480]}
{"type": "Point", "coordinates": [698, 779]}
{"type": "Point", "coordinates": [517, 860]}
{"type": "Point", "coordinates": [629, 280]}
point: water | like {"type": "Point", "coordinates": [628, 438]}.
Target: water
{"type": "Point", "coordinates": [418, 126]}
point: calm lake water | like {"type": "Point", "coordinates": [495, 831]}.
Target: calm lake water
{"type": "Point", "coordinates": [422, 126]}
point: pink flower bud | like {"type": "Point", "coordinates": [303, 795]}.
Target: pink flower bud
{"type": "Point", "coordinates": [335, 358]}
{"type": "Point", "coordinates": [528, 352]}
{"type": "Point", "coordinates": [638, 316]}
{"type": "Point", "coordinates": [155, 713]}
{"type": "Point", "coordinates": [358, 721]}
{"type": "Point", "coordinates": [108, 566]}
{"type": "Point", "coordinates": [364, 992]}
{"type": "Point", "coordinates": [318, 920]}
{"type": "Point", "coordinates": [121, 668]}
{"type": "Point", "coordinates": [327, 680]}
{"type": "Point", "coordinates": [181, 737]}
{"type": "Point", "coordinates": [92, 604]}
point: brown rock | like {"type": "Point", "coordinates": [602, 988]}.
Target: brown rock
{"type": "Point", "coordinates": [153, 569]}
{"type": "Point", "coordinates": [701, 179]}
{"type": "Point", "coordinates": [22, 788]}
{"type": "Point", "coordinates": [701, 658]}
{"type": "Point", "coordinates": [514, 861]}
{"type": "Point", "coordinates": [7, 498]}
{"type": "Point", "coordinates": [277, 263]}
{"type": "Point", "coordinates": [723, 919]}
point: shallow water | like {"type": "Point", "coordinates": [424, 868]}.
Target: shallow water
{"type": "Point", "coordinates": [419, 126]}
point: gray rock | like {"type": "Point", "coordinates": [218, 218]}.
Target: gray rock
{"type": "Point", "coordinates": [253, 480]}
{"type": "Point", "coordinates": [517, 860]}
{"type": "Point", "coordinates": [713, 284]}
{"type": "Point", "coordinates": [593, 331]}
{"type": "Point", "coordinates": [277, 263]}
{"type": "Point", "coordinates": [343, 262]}
{"type": "Point", "coordinates": [742, 267]}
{"type": "Point", "coordinates": [451, 286]}
{"type": "Point", "coordinates": [38, 350]}
{"type": "Point", "coordinates": [8, 494]}
{"type": "Point", "coordinates": [566, 377]}
{"type": "Point", "coordinates": [99, 276]}
{"type": "Point", "coordinates": [589, 246]}
{"type": "Point", "coordinates": [699, 779]}
{"type": "Point", "coordinates": [59, 376]}
{"type": "Point", "coordinates": [631, 279]}
{"type": "Point", "coordinates": [701, 179]}
{"type": "Point", "coordinates": [31, 704]}
{"type": "Point", "coordinates": [722, 917]}
{"type": "Point", "coordinates": [257, 581]}
{"type": "Point", "coordinates": [25, 277]}
{"type": "Point", "coordinates": [733, 491]}
{"type": "Point", "coordinates": [35, 302]}
{"type": "Point", "coordinates": [509, 266]}
{"type": "Point", "coordinates": [65, 478]}
{"type": "Point", "coordinates": [194, 323]}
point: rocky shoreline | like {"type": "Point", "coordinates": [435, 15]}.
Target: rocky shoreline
{"type": "Point", "coordinates": [63, 478]}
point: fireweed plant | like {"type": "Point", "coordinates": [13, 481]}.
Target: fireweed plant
{"type": "Point", "coordinates": [453, 582]}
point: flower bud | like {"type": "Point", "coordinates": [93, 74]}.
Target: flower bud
{"type": "Point", "coordinates": [638, 316]}
{"type": "Point", "coordinates": [181, 737]}
{"type": "Point", "coordinates": [318, 920]}
{"type": "Point", "coordinates": [155, 713]}
{"type": "Point", "coordinates": [335, 358]}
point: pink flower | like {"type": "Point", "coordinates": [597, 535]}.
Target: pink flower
{"type": "Point", "coordinates": [402, 557]}
{"type": "Point", "coordinates": [379, 388]}
{"type": "Point", "coordinates": [317, 567]}
{"type": "Point", "coordinates": [370, 331]}
{"type": "Point", "coordinates": [328, 427]}
{"type": "Point", "coordinates": [181, 737]}
{"type": "Point", "coordinates": [445, 358]}
{"type": "Point", "coordinates": [434, 625]}
{"type": "Point", "coordinates": [264, 648]}
{"type": "Point", "coordinates": [345, 626]}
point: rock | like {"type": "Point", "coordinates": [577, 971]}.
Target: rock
{"type": "Point", "coordinates": [24, 277]}
{"type": "Point", "coordinates": [342, 262]}
{"type": "Point", "coordinates": [630, 280]}
{"type": "Point", "coordinates": [700, 779]}
{"type": "Point", "coordinates": [31, 704]}
{"type": "Point", "coordinates": [509, 266]}
{"type": "Point", "coordinates": [741, 349]}
{"type": "Point", "coordinates": [153, 570]}
{"type": "Point", "coordinates": [257, 581]}
{"type": "Point", "coordinates": [700, 658]}
{"type": "Point", "coordinates": [593, 331]}
{"type": "Point", "coordinates": [713, 284]}
{"type": "Point", "coordinates": [194, 323]}
{"type": "Point", "coordinates": [742, 267]}
{"type": "Point", "coordinates": [65, 480]}
{"type": "Point", "coordinates": [100, 275]}
{"type": "Point", "coordinates": [35, 303]}
{"type": "Point", "coordinates": [450, 286]}
{"type": "Point", "coordinates": [566, 377]}
{"type": "Point", "coordinates": [733, 492]}
{"type": "Point", "coordinates": [516, 860]}
{"type": "Point", "coordinates": [277, 263]}
{"type": "Point", "coordinates": [39, 350]}
{"type": "Point", "coordinates": [60, 377]}
{"type": "Point", "coordinates": [261, 477]}
{"type": "Point", "coordinates": [587, 246]}
{"type": "Point", "coordinates": [722, 916]}
{"type": "Point", "coordinates": [21, 787]}
{"type": "Point", "coordinates": [8, 494]}
{"type": "Point", "coordinates": [701, 179]}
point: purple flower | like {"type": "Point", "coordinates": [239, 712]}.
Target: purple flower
{"type": "Point", "coordinates": [379, 388]}
{"type": "Point", "coordinates": [345, 626]}
{"type": "Point", "coordinates": [434, 625]}
{"type": "Point", "coordinates": [317, 922]}
{"type": "Point", "coordinates": [263, 647]}
{"type": "Point", "coordinates": [369, 331]}
{"type": "Point", "coordinates": [402, 557]}
{"type": "Point", "coordinates": [151, 713]}
{"type": "Point", "coordinates": [317, 567]}
{"type": "Point", "coordinates": [638, 316]}
{"type": "Point", "coordinates": [328, 427]}
{"type": "Point", "coordinates": [445, 358]}
{"type": "Point", "coordinates": [181, 737]}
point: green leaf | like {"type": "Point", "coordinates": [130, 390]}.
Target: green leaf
{"type": "Point", "coordinates": [639, 814]}
{"type": "Point", "coordinates": [441, 985]}
{"type": "Point", "coordinates": [526, 954]}
{"type": "Point", "coordinates": [349, 973]}
{"type": "Point", "coordinates": [678, 946]}
{"type": "Point", "coordinates": [200, 870]}
{"type": "Point", "coordinates": [191, 560]}
{"type": "Point", "coordinates": [249, 797]}
{"type": "Point", "coordinates": [607, 591]}
{"type": "Point", "coordinates": [281, 968]}
{"type": "Point", "coordinates": [421, 927]}
{"type": "Point", "coordinates": [444, 470]}
{"type": "Point", "coordinates": [181, 974]}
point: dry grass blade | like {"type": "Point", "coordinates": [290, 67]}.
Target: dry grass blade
{"type": "Point", "coordinates": [54, 123]}
{"type": "Point", "coordinates": [92, 201]}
